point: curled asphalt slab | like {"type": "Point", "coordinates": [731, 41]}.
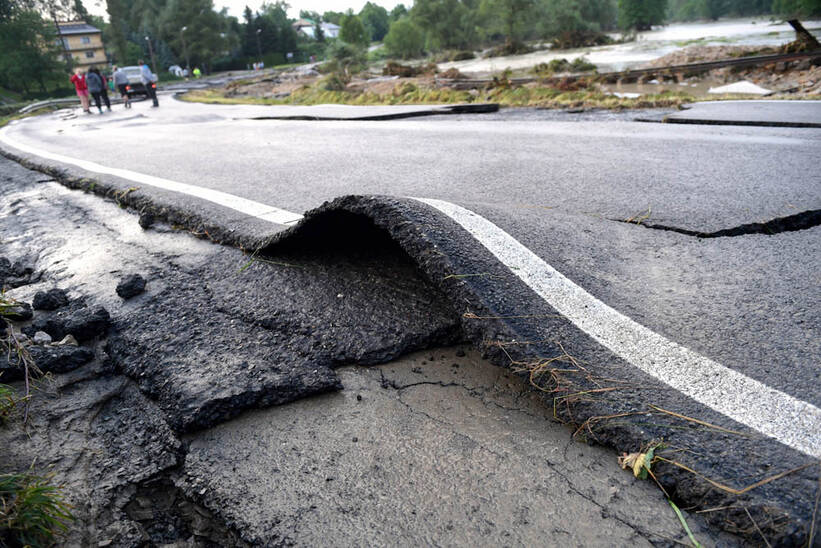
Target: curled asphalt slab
{"type": "Point", "coordinates": [438, 446]}
{"type": "Point", "coordinates": [645, 261]}
{"type": "Point", "coordinates": [798, 114]}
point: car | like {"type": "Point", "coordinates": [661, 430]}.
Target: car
{"type": "Point", "coordinates": [135, 84]}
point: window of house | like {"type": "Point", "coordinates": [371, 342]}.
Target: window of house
{"type": "Point", "coordinates": [86, 40]}
{"type": "Point", "coordinates": [89, 54]}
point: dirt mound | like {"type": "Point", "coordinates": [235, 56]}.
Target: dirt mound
{"type": "Point", "coordinates": [453, 74]}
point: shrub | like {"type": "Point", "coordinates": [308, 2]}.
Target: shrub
{"type": "Point", "coordinates": [32, 510]}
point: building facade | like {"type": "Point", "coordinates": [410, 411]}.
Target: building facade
{"type": "Point", "coordinates": [83, 42]}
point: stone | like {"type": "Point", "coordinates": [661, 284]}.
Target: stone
{"type": "Point", "coordinates": [68, 340]}
{"type": "Point", "coordinates": [86, 324]}
{"type": "Point", "coordinates": [41, 337]}
{"type": "Point", "coordinates": [131, 286]}
{"type": "Point", "coordinates": [146, 220]}
{"type": "Point", "coordinates": [60, 359]}
{"type": "Point", "coordinates": [19, 312]}
{"type": "Point", "coordinates": [50, 300]}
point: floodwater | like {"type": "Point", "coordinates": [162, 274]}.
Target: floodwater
{"type": "Point", "coordinates": [650, 45]}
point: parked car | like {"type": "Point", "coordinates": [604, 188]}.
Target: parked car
{"type": "Point", "coordinates": [177, 70]}
{"type": "Point", "coordinates": [135, 84]}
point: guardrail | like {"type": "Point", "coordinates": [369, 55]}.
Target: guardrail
{"type": "Point", "coordinates": [49, 103]}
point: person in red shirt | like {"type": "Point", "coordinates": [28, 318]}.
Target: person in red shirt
{"type": "Point", "coordinates": [79, 81]}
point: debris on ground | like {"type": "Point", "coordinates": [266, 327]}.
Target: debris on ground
{"type": "Point", "coordinates": [743, 88]}
{"type": "Point", "coordinates": [49, 300]}
{"type": "Point", "coordinates": [799, 78]}
{"type": "Point", "coordinates": [131, 286]}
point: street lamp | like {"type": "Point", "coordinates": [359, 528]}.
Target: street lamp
{"type": "Point", "coordinates": [151, 52]}
{"type": "Point", "coordinates": [185, 51]}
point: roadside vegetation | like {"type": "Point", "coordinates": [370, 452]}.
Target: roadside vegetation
{"type": "Point", "coordinates": [410, 94]}
{"type": "Point", "coordinates": [33, 511]}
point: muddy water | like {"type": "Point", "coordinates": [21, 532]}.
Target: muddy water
{"type": "Point", "coordinates": [650, 45]}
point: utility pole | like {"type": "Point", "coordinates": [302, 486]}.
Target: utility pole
{"type": "Point", "coordinates": [185, 51]}
{"type": "Point", "coordinates": [151, 53]}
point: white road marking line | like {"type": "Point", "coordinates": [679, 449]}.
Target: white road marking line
{"type": "Point", "coordinates": [243, 205]}
{"type": "Point", "coordinates": [771, 412]}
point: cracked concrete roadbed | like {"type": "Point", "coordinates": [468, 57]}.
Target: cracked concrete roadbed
{"type": "Point", "coordinates": [436, 448]}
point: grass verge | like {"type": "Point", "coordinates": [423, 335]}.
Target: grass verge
{"type": "Point", "coordinates": [409, 94]}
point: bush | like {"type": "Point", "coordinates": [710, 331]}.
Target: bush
{"type": "Point", "coordinates": [405, 39]}
{"type": "Point", "coordinates": [346, 57]}
{"type": "Point", "coordinates": [334, 82]}
{"type": "Point", "coordinates": [580, 64]}
{"type": "Point", "coordinates": [32, 510]}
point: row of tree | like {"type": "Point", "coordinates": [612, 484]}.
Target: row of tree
{"type": "Point", "coordinates": [192, 33]}
{"type": "Point", "coordinates": [433, 25]}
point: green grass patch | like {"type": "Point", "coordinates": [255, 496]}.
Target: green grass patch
{"type": "Point", "coordinates": [33, 511]}
{"type": "Point", "coordinates": [8, 402]}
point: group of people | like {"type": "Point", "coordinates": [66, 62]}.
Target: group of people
{"type": "Point", "coordinates": [95, 83]}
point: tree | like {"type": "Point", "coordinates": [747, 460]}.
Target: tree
{"type": "Point", "coordinates": [789, 9]}
{"type": "Point", "coordinates": [117, 29]}
{"type": "Point", "coordinates": [446, 23]}
{"type": "Point", "coordinates": [30, 53]}
{"type": "Point", "coordinates": [376, 21]}
{"type": "Point", "coordinates": [353, 31]}
{"type": "Point", "coordinates": [641, 14]}
{"type": "Point", "coordinates": [80, 11]}
{"type": "Point", "coordinates": [404, 39]}
{"type": "Point", "coordinates": [334, 17]}
{"type": "Point", "coordinates": [310, 14]}
{"type": "Point", "coordinates": [398, 12]}
{"type": "Point", "coordinates": [200, 41]}
{"type": "Point", "coordinates": [511, 14]}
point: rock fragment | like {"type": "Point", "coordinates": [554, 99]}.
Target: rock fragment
{"type": "Point", "coordinates": [60, 359]}
{"type": "Point", "coordinates": [18, 312]}
{"type": "Point", "coordinates": [146, 220]}
{"type": "Point", "coordinates": [41, 337]}
{"type": "Point", "coordinates": [50, 300]}
{"type": "Point", "coordinates": [131, 286]}
{"type": "Point", "coordinates": [86, 324]}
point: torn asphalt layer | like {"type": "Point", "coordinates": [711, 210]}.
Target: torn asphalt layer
{"type": "Point", "coordinates": [514, 330]}
{"type": "Point", "coordinates": [517, 331]}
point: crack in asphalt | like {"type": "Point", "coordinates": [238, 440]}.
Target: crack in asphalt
{"type": "Point", "coordinates": [791, 223]}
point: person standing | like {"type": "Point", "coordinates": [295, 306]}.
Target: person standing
{"type": "Point", "coordinates": [95, 86]}
{"type": "Point", "coordinates": [95, 78]}
{"type": "Point", "coordinates": [197, 72]}
{"type": "Point", "coordinates": [120, 82]}
{"type": "Point", "coordinates": [148, 79]}
{"type": "Point", "coordinates": [81, 87]}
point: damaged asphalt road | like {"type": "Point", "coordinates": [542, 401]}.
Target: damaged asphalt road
{"type": "Point", "coordinates": [715, 296]}
{"type": "Point", "coordinates": [140, 434]}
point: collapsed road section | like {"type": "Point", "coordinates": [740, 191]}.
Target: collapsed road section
{"type": "Point", "coordinates": [158, 357]}
{"type": "Point", "coordinates": [364, 280]}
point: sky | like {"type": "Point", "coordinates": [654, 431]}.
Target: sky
{"type": "Point", "coordinates": [236, 7]}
